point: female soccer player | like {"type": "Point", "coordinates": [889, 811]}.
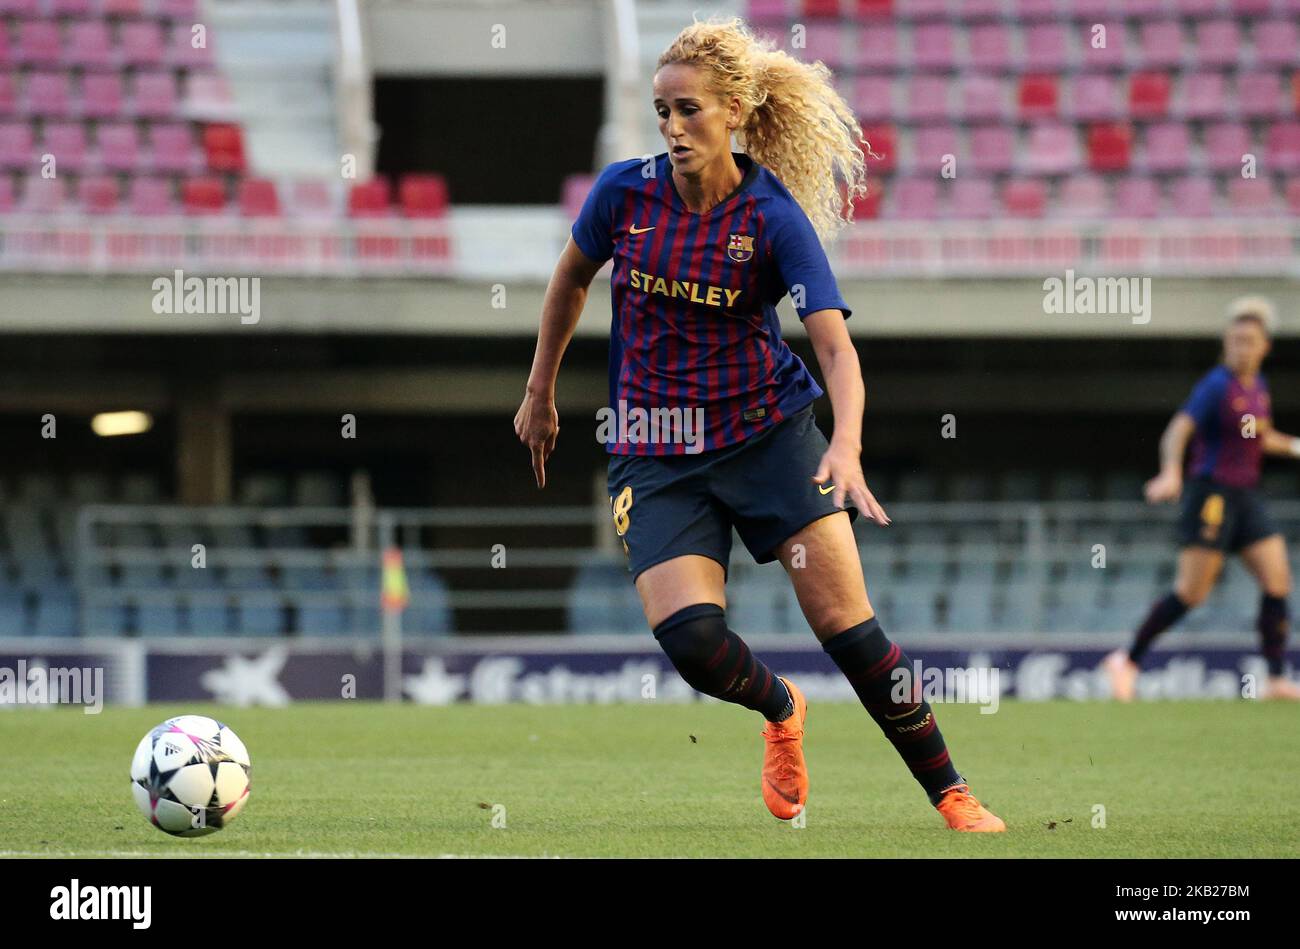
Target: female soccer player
{"type": "Point", "coordinates": [705, 242]}
{"type": "Point", "coordinates": [1227, 419]}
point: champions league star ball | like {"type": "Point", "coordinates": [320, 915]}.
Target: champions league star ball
{"type": "Point", "coordinates": [190, 776]}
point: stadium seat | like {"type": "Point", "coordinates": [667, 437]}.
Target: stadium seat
{"type": "Point", "coordinates": [992, 149]}
{"type": "Point", "coordinates": [158, 615]}
{"type": "Point", "coordinates": [55, 616]}
{"type": "Point", "coordinates": [48, 95]}
{"type": "Point", "coordinates": [37, 43]}
{"type": "Point", "coordinates": [154, 95]}
{"type": "Point", "coordinates": [1094, 97]}
{"type": "Point", "coordinates": [1137, 197]}
{"type": "Point", "coordinates": [151, 197]}
{"type": "Point", "coordinates": [872, 99]}
{"type": "Point", "coordinates": [1161, 44]}
{"type": "Point", "coordinates": [927, 99]}
{"type": "Point", "coordinates": [223, 143]}
{"type": "Point", "coordinates": [201, 196]}
{"type": "Point", "coordinates": [983, 99]}
{"type": "Point", "coordinates": [17, 146]}
{"type": "Point", "coordinates": [89, 44]}
{"type": "Point", "coordinates": [933, 46]}
{"type": "Point", "coordinates": [102, 95]}
{"type": "Point", "coordinates": [1226, 143]}
{"type": "Point", "coordinates": [1167, 147]}
{"type": "Point", "coordinates": [1192, 196]}
{"type": "Point", "coordinates": [915, 199]}
{"type": "Point", "coordinates": [423, 196]}
{"type": "Point", "coordinates": [66, 141]}
{"type": "Point", "coordinates": [989, 48]}
{"type": "Point", "coordinates": [1053, 149]}
{"type": "Point", "coordinates": [172, 149]}
{"type": "Point", "coordinates": [1276, 42]}
{"type": "Point", "coordinates": [930, 145]}
{"type": "Point", "coordinates": [1149, 94]}
{"type": "Point", "coordinates": [259, 615]}
{"type": "Point", "coordinates": [370, 199]}
{"type": "Point", "coordinates": [1037, 97]}
{"type": "Point", "coordinates": [877, 48]}
{"type": "Point", "coordinates": [1282, 146]}
{"type": "Point", "coordinates": [972, 199]}
{"type": "Point", "coordinates": [1204, 95]}
{"type": "Point", "coordinates": [1045, 48]}
{"type": "Point", "coordinates": [1260, 96]}
{"type": "Point", "coordinates": [258, 198]}
{"type": "Point", "coordinates": [141, 42]}
{"type": "Point", "coordinates": [1217, 42]}
{"type": "Point", "coordinates": [1109, 145]}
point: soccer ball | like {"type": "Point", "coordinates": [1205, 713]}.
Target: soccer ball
{"type": "Point", "coordinates": [190, 776]}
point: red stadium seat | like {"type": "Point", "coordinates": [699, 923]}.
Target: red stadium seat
{"type": "Point", "coordinates": [1027, 199]}
{"type": "Point", "coordinates": [1109, 146]}
{"type": "Point", "coordinates": [370, 198]}
{"type": "Point", "coordinates": [884, 148]}
{"type": "Point", "coordinates": [202, 196]}
{"type": "Point", "coordinates": [1037, 97]}
{"type": "Point", "coordinates": [866, 207]}
{"type": "Point", "coordinates": [98, 194]}
{"type": "Point", "coordinates": [879, 9]}
{"type": "Point", "coordinates": [1282, 146]}
{"type": "Point", "coordinates": [258, 198]}
{"type": "Point", "coordinates": [223, 144]}
{"type": "Point", "coordinates": [1148, 95]}
{"type": "Point", "coordinates": [823, 8]}
{"type": "Point", "coordinates": [423, 195]}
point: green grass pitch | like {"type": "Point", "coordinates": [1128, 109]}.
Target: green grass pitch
{"type": "Point", "coordinates": [1179, 779]}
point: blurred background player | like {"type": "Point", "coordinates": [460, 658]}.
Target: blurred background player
{"type": "Point", "coordinates": [704, 247]}
{"type": "Point", "coordinates": [1227, 420]}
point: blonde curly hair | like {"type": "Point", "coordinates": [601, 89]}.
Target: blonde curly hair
{"type": "Point", "coordinates": [793, 121]}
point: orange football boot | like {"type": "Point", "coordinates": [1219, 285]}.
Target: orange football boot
{"type": "Point", "coordinates": [962, 812]}
{"type": "Point", "coordinates": [785, 776]}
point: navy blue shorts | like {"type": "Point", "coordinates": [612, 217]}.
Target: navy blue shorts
{"type": "Point", "coordinates": [1222, 517]}
{"type": "Point", "coordinates": [669, 506]}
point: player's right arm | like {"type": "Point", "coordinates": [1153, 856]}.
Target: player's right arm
{"type": "Point", "coordinates": [537, 423]}
{"type": "Point", "coordinates": [1168, 484]}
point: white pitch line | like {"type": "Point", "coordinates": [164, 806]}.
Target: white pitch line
{"type": "Point", "coordinates": [268, 855]}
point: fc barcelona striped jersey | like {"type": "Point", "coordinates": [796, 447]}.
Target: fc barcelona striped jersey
{"type": "Point", "coordinates": [695, 329]}
{"type": "Point", "coordinates": [1224, 448]}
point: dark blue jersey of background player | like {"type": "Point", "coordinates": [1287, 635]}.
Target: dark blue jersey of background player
{"type": "Point", "coordinates": [694, 299]}
{"type": "Point", "coordinates": [1230, 412]}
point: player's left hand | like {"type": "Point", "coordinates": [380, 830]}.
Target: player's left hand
{"type": "Point", "coordinates": [842, 468]}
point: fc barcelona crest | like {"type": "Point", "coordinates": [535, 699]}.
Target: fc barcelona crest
{"type": "Point", "coordinates": [740, 248]}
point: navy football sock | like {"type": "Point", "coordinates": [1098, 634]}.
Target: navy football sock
{"type": "Point", "coordinates": [714, 660]}
{"type": "Point", "coordinates": [1163, 613]}
{"type": "Point", "coordinates": [1273, 626]}
{"type": "Point", "coordinates": [867, 658]}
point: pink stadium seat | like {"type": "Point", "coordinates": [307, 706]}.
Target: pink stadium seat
{"type": "Point", "coordinates": [1161, 43]}
{"type": "Point", "coordinates": [971, 199]}
{"type": "Point", "coordinates": [142, 42]}
{"type": "Point", "coordinates": [17, 145]}
{"type": "Point", "coordinates": [876, 47]}
{"type": "Point", "coordinates": [1092, 10]}
{"type": "Point", "coordinates": [1225, 145]}
{"type": "Point", "coordinates": [1034, 9]}
{"type": "Point", "coordinates": [101, 95]}
{"type": "Point", "coordinates": [932, 46]}
{"type": "Point", "coordinates": [177, 9]}
{"type": "Point", "coordinates": [1197, 8]}
{"type": "Point", "coordinates": [873, 98]}
{"type": "Point", "coordinates": [1084, 196]}
{"type": "Point", "coordinates": [123, 8]}
{"type": "Point", "coordinates": [1204, 95]}
{"type": "Point", "coordinates": [223, 144]}
{"type": "Point", "coordinates": [203, 196]}
{"type": "Point", "coordinates": [1137, 197]}
{"type": "Point", "coordinates": [1045, 47]}
{"type": "Point", "coordinates": [71, 8]}
{"type": "Point", "coordinates": [1109, 146]}
{"type": "Point", "coordinates": [927, 99]}
{"type": "Point", "coordinates": [980, 9]}
{"type": "Point", "coordinates": [1218, 42]}
{"type": "Point", "coordinates": [767, 9]}
{"type": "Point", "coordinates": [930, 144]}
{"type": "Point", "coordinates": [1148, 95]}
{"type": "Point", "coordinates": [6, 50]}
{"type": "Point", "coordinates": [89, 44]}
{"type": "Point", "coordinates": [1025, 198]}
{"type": "Point", "coordinates": [98, 194]}
{"type": "Point", "coordinates": [1252, 7]}
{"type": "Point", "coordinates": [38, 43]}
{"type": "Point", "coordinates": [119, 146]}
{"type": "Point", "coordinates": [1282, 146]}
{"type": "Point", "coordinates": [20, 8]}
{"type": "Point", "coordinates": [154, 94]}
{"type": "Point", "coordinates": [66, 141]}
{"type": "Point", "coordinates": [1293, 195]}
{"type": "Point", "coordinates": [151, 197]}
{"type": "Point", "coordinates": [989, 47]}
{"type": "Point", "coordinates": [7, 200]}
{"type": "Point", "coordinates": [992, 148]}
{"type": "Point", "coordinates": [1276, 43]}
{"type": "Point", "coordinates": [1037, 97]}
{"type": "Point", "coordinates": [47, 94]}
{"type": "Point", "coordinates": [1094, 96]}
{"type": "Point", "coordinates": [313, 197]}
{"type": "Point", "coordinates": [914, 199]}
{"type": "Point", "coordinates": [258, 198]}
{"type": "Point", "coordinates": [1053, 149]}
{"type": "Point", "coordinates": [370, 199]}
{"type": "Point", "coordinates": [983, 99]}
{"type": "Point", "coordinates": [8, 94]}
{"type": "Point", "coordinates": [423, 196]}
{"type": "Point", "coordinates": [1113, 55]}
{"type": "Point", "coordinates": [172, 148]}
{"type": "Point", "coordinates": [922, 9]}
{"type": "Point", "coordinates": [1167, 147]}
{"type": "Point", "coordinates": [1259, 95]}
{"type": "Point", "coordinates": [181, 50]}
{"type": "Point", "coordinates": [824, 44]}
{"type": "Point", "coordinates": [1253, 197]}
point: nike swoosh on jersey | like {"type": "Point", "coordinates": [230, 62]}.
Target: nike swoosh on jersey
{"type": "Point", "coordinates": [826, 490]}
{"type": "Point", "coordinates": [639, 230]}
